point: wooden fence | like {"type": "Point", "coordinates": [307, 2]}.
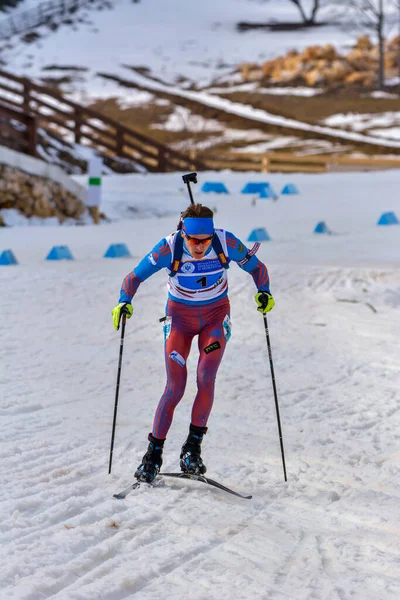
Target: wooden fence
{"type": "Point", "coordinates": [42, 13]}
{"type": "Point", "coordinates": [37, 106]}
{"type": "Point", "coordinates": [18, 130]}
{"type": "Point", "coordinates": [74, 123]}
{"type": "Point", "coordinates": [285, 162]}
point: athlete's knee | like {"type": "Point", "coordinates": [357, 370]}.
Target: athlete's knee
{"type": "Point", "coordinates": [175, 389]}
{"type": "Point", "coordinates": [206, 374]}
{"type": "Point", "coordinates": [176, 384]}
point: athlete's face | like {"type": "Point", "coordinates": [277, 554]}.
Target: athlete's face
{"type": "Point", "coordinates": [198, 245]}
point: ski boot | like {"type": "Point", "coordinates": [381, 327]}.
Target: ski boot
{"type": "Point", "coordinates": [191, 461]}
{"type": "Point", "coordinates": [151, 463]}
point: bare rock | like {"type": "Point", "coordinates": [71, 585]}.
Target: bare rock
{"type": "Point", "coordinates": [324, 66]}
{"type": "Point", "coordinates": [314, 77]}
{"type": "Point", "coordinates": [247, 69]}
{"type": "Point", "coordinates": [364, 43]}
{"type": "Point", "coordinates": [365, 78]}
{"type": "Point", "coordinates": [36, 196]}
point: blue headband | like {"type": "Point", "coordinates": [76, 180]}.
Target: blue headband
{"type": "Point", "coordinates": [198, 225]}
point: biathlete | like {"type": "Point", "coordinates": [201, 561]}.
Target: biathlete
{"type": "Point", "coordinates": [196, 257]}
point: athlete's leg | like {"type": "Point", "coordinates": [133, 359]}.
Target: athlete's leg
{"type": "Point", "coordinates": [177, 347]}
{"type": "Point", "coordinates": [212, 343]}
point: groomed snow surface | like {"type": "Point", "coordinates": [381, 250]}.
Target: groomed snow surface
{"type": "Point", "coordinates": [332, 531]}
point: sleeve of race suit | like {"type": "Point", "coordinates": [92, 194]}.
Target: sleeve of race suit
{"type": "Point", "coordinates": [237, 251]}
{"type": "Point", "coordinates": [159, 258]}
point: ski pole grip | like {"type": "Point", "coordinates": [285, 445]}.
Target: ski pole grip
{"type": "Point", "coordinates": [190, 177]}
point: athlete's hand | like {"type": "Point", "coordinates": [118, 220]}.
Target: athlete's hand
{"type": "Point", "coordinates": [264, 301]}
{"type": "Point", "coordinates": [119, 310]}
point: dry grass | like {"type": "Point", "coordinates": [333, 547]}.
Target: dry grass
{"type": "Point", "coordinates": [315, 108]}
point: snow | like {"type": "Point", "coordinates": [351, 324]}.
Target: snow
{"type": "Point", "coordinates": [292, 91]}
{"type": "Point", "coordinates": [267, 146]}
{"type": "Point", "coordinates": [384, 125]}
{"type": "Point", "coordinates": [137, 98]}
{"type": "Point", "coordinates": [205, 36]}
{"type": "Point", "coordinates": [332, 531]}
{"type": "Point", "coordinates": [13, 218]}
{"type": "Point", "coordinates": [182, 119]}
{"type": "Point", "coordinates": [393, 132]}
{"type": "Point", "coordinates": [125, 36]}
{"type": "Point", "coordinates": [380, 94]}
{"type": "Point", "coordinates": [275, 91]}
{"type": "Point", "coordinates": [361, 122]}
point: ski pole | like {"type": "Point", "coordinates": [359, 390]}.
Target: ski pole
{"type": "Point", "coordinates": [121, 348]}
{"type": "Point", "coordinates": [275, 394]}
{"type": "Point", "coordinates": [190, 177]}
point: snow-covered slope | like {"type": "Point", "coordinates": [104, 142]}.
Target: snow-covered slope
{"type": "Point", "coordinates": [199, 43]}
{"type": "Point", "coordinates": [176, 48]}
{"type": "Point", "coordinates": [331, 532]}
{"type": "Point", "coordinates": [261, 116]}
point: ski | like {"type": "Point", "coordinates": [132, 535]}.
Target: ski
{"type": "Point", "coordinates": [206, 480]}
{"type": "Point", "coordinates": [125, 492]}
{"type": "Point", "coordinates": [202, 478]}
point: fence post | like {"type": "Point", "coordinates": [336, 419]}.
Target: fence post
{"type": "Point", "coordinates": [27, 95]}
{"type": "Point", "coordinates": [264, 163]}
{"type": "Point", "coordinates": [120, 142]}
{"type": "Point", "coordinates": [32, 135]}
{"type": "Point", "coordinates": [78, 124]}
{"type": "Point", "coordinates": [192, 156]}
{"type": "Point", "coordinates": [162, 163]}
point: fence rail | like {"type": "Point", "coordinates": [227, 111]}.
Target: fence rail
{"type": "Point", "coordinates": [285, 162]}
{"type": "Point", "coordinates": [74, 123]}
{"type": "Point", "coordinates": [42, 14]}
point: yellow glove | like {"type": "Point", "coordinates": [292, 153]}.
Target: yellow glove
{"type": "Point", "coordinates": [265, 302]}
{"type": "Point", "coordinates": [119, 310]}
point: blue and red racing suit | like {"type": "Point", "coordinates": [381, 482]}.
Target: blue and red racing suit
{"type": "Point", "coordinates": [197, 304]}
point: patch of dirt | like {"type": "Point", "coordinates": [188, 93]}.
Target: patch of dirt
{"type": "Point", "coordinates": [312, 109]}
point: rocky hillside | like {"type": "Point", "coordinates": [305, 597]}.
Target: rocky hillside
{"type": "Point", "coordinates": [34, 196]}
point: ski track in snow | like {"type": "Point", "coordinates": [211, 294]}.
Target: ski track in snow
{"type": "Point", "coordinates": [330, 533]}
{"type": "Point", "coordinates": [56, 493]}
